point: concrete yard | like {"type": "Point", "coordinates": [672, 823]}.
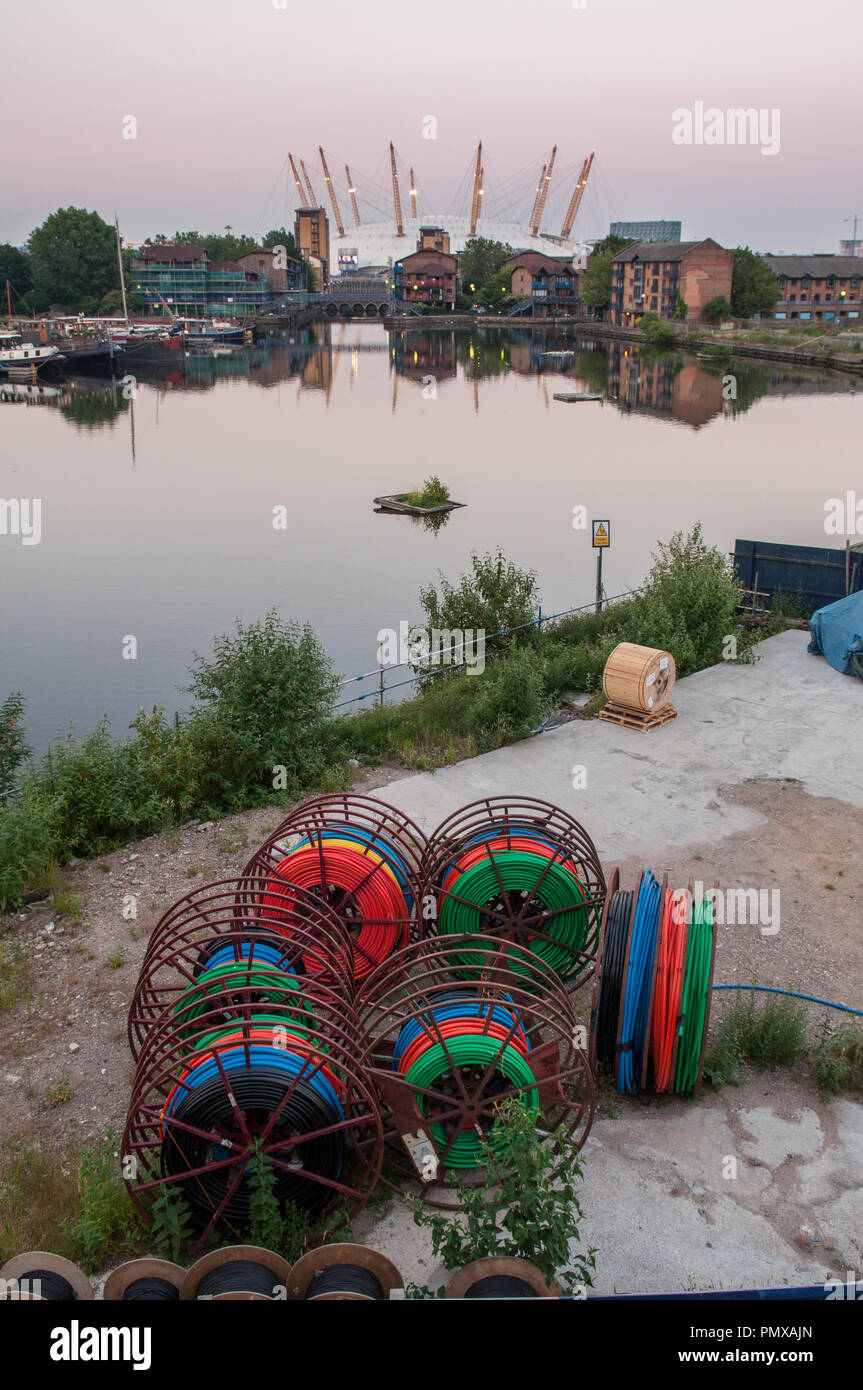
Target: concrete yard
{"type": "Point", "coordinates": [661, 1208]}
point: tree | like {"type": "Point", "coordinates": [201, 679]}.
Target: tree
{"type": "Point", "coordinates": [14, 267]}
{"type": "Point", "coordinates": [496, 293]}
{"type": "Point", "coordinates": [74, 259]}
{"type": "Point", "coordinates": [681, 308]}
{"type": "Point", "coordinates": [479, 261]}
{"type": "Point", "coordinates": [657, 332]}
{"type": "Point", "coordinates": [716, 310]}
{"type": "Point", "coordinates": [754, 287]}
{"type": "Point", "coordinates": [595, 288]}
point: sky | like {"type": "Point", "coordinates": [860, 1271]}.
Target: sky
{"type": "Point", "coordinates": [219, 91]}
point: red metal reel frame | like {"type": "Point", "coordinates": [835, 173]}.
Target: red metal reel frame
{"type": "Point", "coordinates": [228, 913]}
{"type": "Point", "coordinates": [163, 1066]}
{"type": "Point", "coordinates": [522, 922]}
{"type": "Point", "coordinates": [380, 822]}
{"type": "Point", "coordinates": [409, 990]}
{"type": "Point", "coordinates": [317, 1015]}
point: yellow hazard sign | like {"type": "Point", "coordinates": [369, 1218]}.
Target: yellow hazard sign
{"type": "Point", "coordinates": [601, 534]}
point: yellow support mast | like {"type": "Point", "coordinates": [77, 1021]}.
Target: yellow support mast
{"type": "Point", "coordinates": [303, 199]}
{"type": "Point", "coordinates": [353, 195]}
{"type": "Point", "coordinates": [397, 202]}
{"type": "Point", "coordinates": [332, 192]}
{"type": "Point", "coordinates": [477, 193]}
{"type": "Point", "coordinates": [577, 195]}
{"type": "Point", "coordinates": [540, 203]}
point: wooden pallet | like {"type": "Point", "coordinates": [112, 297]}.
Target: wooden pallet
{"type": "Point", "coordinates": [634, 719]}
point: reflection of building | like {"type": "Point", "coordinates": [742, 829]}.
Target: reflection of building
{"type": "Point", "coordinates": [312, 235]}
{"type": "Point", "coordinates": [429, 274]}
{"type": "Point", "coordinates": [417, 355]}
{"type": "Point", "coordinates": [666, 386]}
{"type": "Point", "coordinates": [190, 283]}
{"type": "Point", "coordinates": [648, 277]}
{"type": "Point", "coordinates": [549, 281]}
{"type": "Point", "coordinates": [817, 287]}
{"type": "Point", "coordinates": [647, 231]}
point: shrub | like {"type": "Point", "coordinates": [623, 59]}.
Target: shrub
{"type": "Point", "coordinates": [432, 494]}
{"type": "Point", "coordinates": [106, 1222]}
{"type": "Point", "coordinates": [268, 692]}
{"type": "Point", "coordinates": [14, 747]}
{"type": "Point", "coordinates": [767, 1032]}
{"type": "Point", "coordinates": [717, 309]}
{"type": "Point", "coordinates": [27, 845]}
{"type": "Point", "coordinates": [689, 603]}
{"type": "Point", "coordinates": [657, 332]}
{"type": "Point", "coordinates": [839, 1058]}
{"type": "Point", "coordinates": [494, 597]}
{"type": "Point", "coordinates": [512, 698]}
{"type": "Point", "coordinates": [100, 792]}
{"type": "Point", "coordinates": [528, 1206]}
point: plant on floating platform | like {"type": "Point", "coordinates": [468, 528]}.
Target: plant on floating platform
{"type": "Point", "coordinates": [432, 494]}
{"type": "Point", "coordinates": [528, 1206]}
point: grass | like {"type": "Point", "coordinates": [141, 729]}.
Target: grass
{"type": "Point", "coordinates": [766, 1031]}
{"type": "Point", "coordinates": [839, 1058]}
{"type": "Point", "coordinates": [75, 1206]}
{"type": "Point", "coordinates": [117, 958]}
{"type": "Point", "coordinates": [60, 1092]}
{"type": "Point", "coordinates": [16, 974]}
{"type": "Point", "coordinates": [66, 904]}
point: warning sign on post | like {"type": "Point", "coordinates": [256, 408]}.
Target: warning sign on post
{"type": "Point", "coordinates": [601, 535]}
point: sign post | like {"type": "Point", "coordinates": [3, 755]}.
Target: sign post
{"type": "Point", "coordinates": [601, 541]}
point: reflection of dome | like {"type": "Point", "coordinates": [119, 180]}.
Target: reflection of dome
{"type": "Point", "coordinates": [376, 243]}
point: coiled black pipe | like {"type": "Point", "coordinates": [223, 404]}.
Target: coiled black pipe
{"type": "Point", "coordinates": [501, 1286]}
{"type": "Point", "coordinates": [346, 1279]}
{"type": "Point", "coordinates": [259, 1091]}
{"type": "Point", "coordinates": [150, 1289]}
{"type": "Point", "coordinates": [238, 1276]}
{"type": "Point", "coordinates": [52, 1286]}
{"type": "Point", "coordinates": [611, 977]}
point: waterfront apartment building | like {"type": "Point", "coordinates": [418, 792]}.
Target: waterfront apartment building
{"type": "Point", "coordinates": [280, 276]}
{"type": "Point", "coordinates": [648, 277]}
{"type": "Point", "coordinates": [818, 287]}
{"type": "Point", "coordinates": [549, 281]}
{"type": "Point", "coordinates": [312, 235]}
{"type": "Point", "coordinates": [426, 277]}
{"type": "Point", "coordinates": [183, 280]}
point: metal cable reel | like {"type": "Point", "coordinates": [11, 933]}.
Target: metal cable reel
{"type": "Point", "coordinates": [222, 934]}
{"type": "Point", "coordinates": [282, 1079]}
{"type": "Point", "coordinates": [455, 1025]}
{"type": "Point", "coordinates": [521, 869]}
{"type": "Point", "coordinates": [358, 856]}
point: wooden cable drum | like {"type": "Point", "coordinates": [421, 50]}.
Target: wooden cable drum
{"type": "Point", "coordinates": [638, 678]}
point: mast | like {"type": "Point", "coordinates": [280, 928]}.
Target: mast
{"type": "Point", "coordinates": [477, 190]}
{"type": "Point", "coordinates": [413, 197]}
{"type": "Point", "coordinates": [577, 195]}
{"type": "Point", "coordinates": [332, 192]}
{"type": "Point", "coordinates": [353, 193]}
{"type": "Point", "coordinates": [397, 202]}
{"type": "Point", "coordinates": [540, 205]}
{"type": "Point", "coordinates": [303, 199]}
{"type": "Point", "coordinates": [122, 272]}
{"type": "Point", "coordinates": [536, 197]}
{"type": "Point", "coordinates": [313, 202]}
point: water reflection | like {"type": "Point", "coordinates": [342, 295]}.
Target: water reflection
{"type": "Point", "coordinates": [683, 388]}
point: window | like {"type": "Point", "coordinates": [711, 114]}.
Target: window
{"type": "Point", "coordinates": [817, 299]}
{"type": "Point", "coordinates": [855, 283]}
{"type": "Point", "coordinates": [805, 282]}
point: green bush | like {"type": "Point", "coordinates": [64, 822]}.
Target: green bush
{"type": "Point", "coordinates": [494, 597]}
{"type": "Point", "coordinates": [689, 603]}
{"type": "Point", "coordinates": [100, 790]}
{"type": "Point", "coordinates": [14, 748]}
{"type": "Point", "coordinates": [766, 1031]}
{"type": "Point", "coordinates": [511, 698]}
{"type": "Point", "coordinates": [105, 1224]}
{"type": "Point", "coordinates": [27, 844]}
{"type": "Point", "coordinates": [657, 331]}
{"type": "Point", "coordinates": [839, 1058]}
{"type": "Point", "coordinates": [268, 692]}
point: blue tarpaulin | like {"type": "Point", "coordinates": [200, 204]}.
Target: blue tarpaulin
{"type": "Point", "coordinates": [837, 633]}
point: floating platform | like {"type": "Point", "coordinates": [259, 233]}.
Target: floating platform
{"type": "Point", "coordinates": [400, 508]}
{"type": "Point", "coordinates": [570, 396]}
{"type": "Point", "coordinates": [634, 719]}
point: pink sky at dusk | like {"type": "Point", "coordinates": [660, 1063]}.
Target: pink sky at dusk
{"type": "Point", "coordinates": [222, 90]}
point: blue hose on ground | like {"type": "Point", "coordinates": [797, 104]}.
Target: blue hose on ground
{"type": "Point", "coordinates": [768, 989]}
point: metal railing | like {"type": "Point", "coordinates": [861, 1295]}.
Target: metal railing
{"type": "Point", "coordinates": [382, 689]}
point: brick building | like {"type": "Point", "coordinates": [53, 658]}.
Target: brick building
{"type": "Point", "coordinates": [312, 235]}
{"type": "Point", "coordinates": [427, 277]}
{"type": "Point", "coordinates": [549, 281]}
{"type": "Point", "coordinates": [191, 284]}
{"type": "Point", "coordinates": [286, 275]}
{"type": "Point", "coordinates": [648, 277]}
{"type": "Point", "coordinates": [818, 287]}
